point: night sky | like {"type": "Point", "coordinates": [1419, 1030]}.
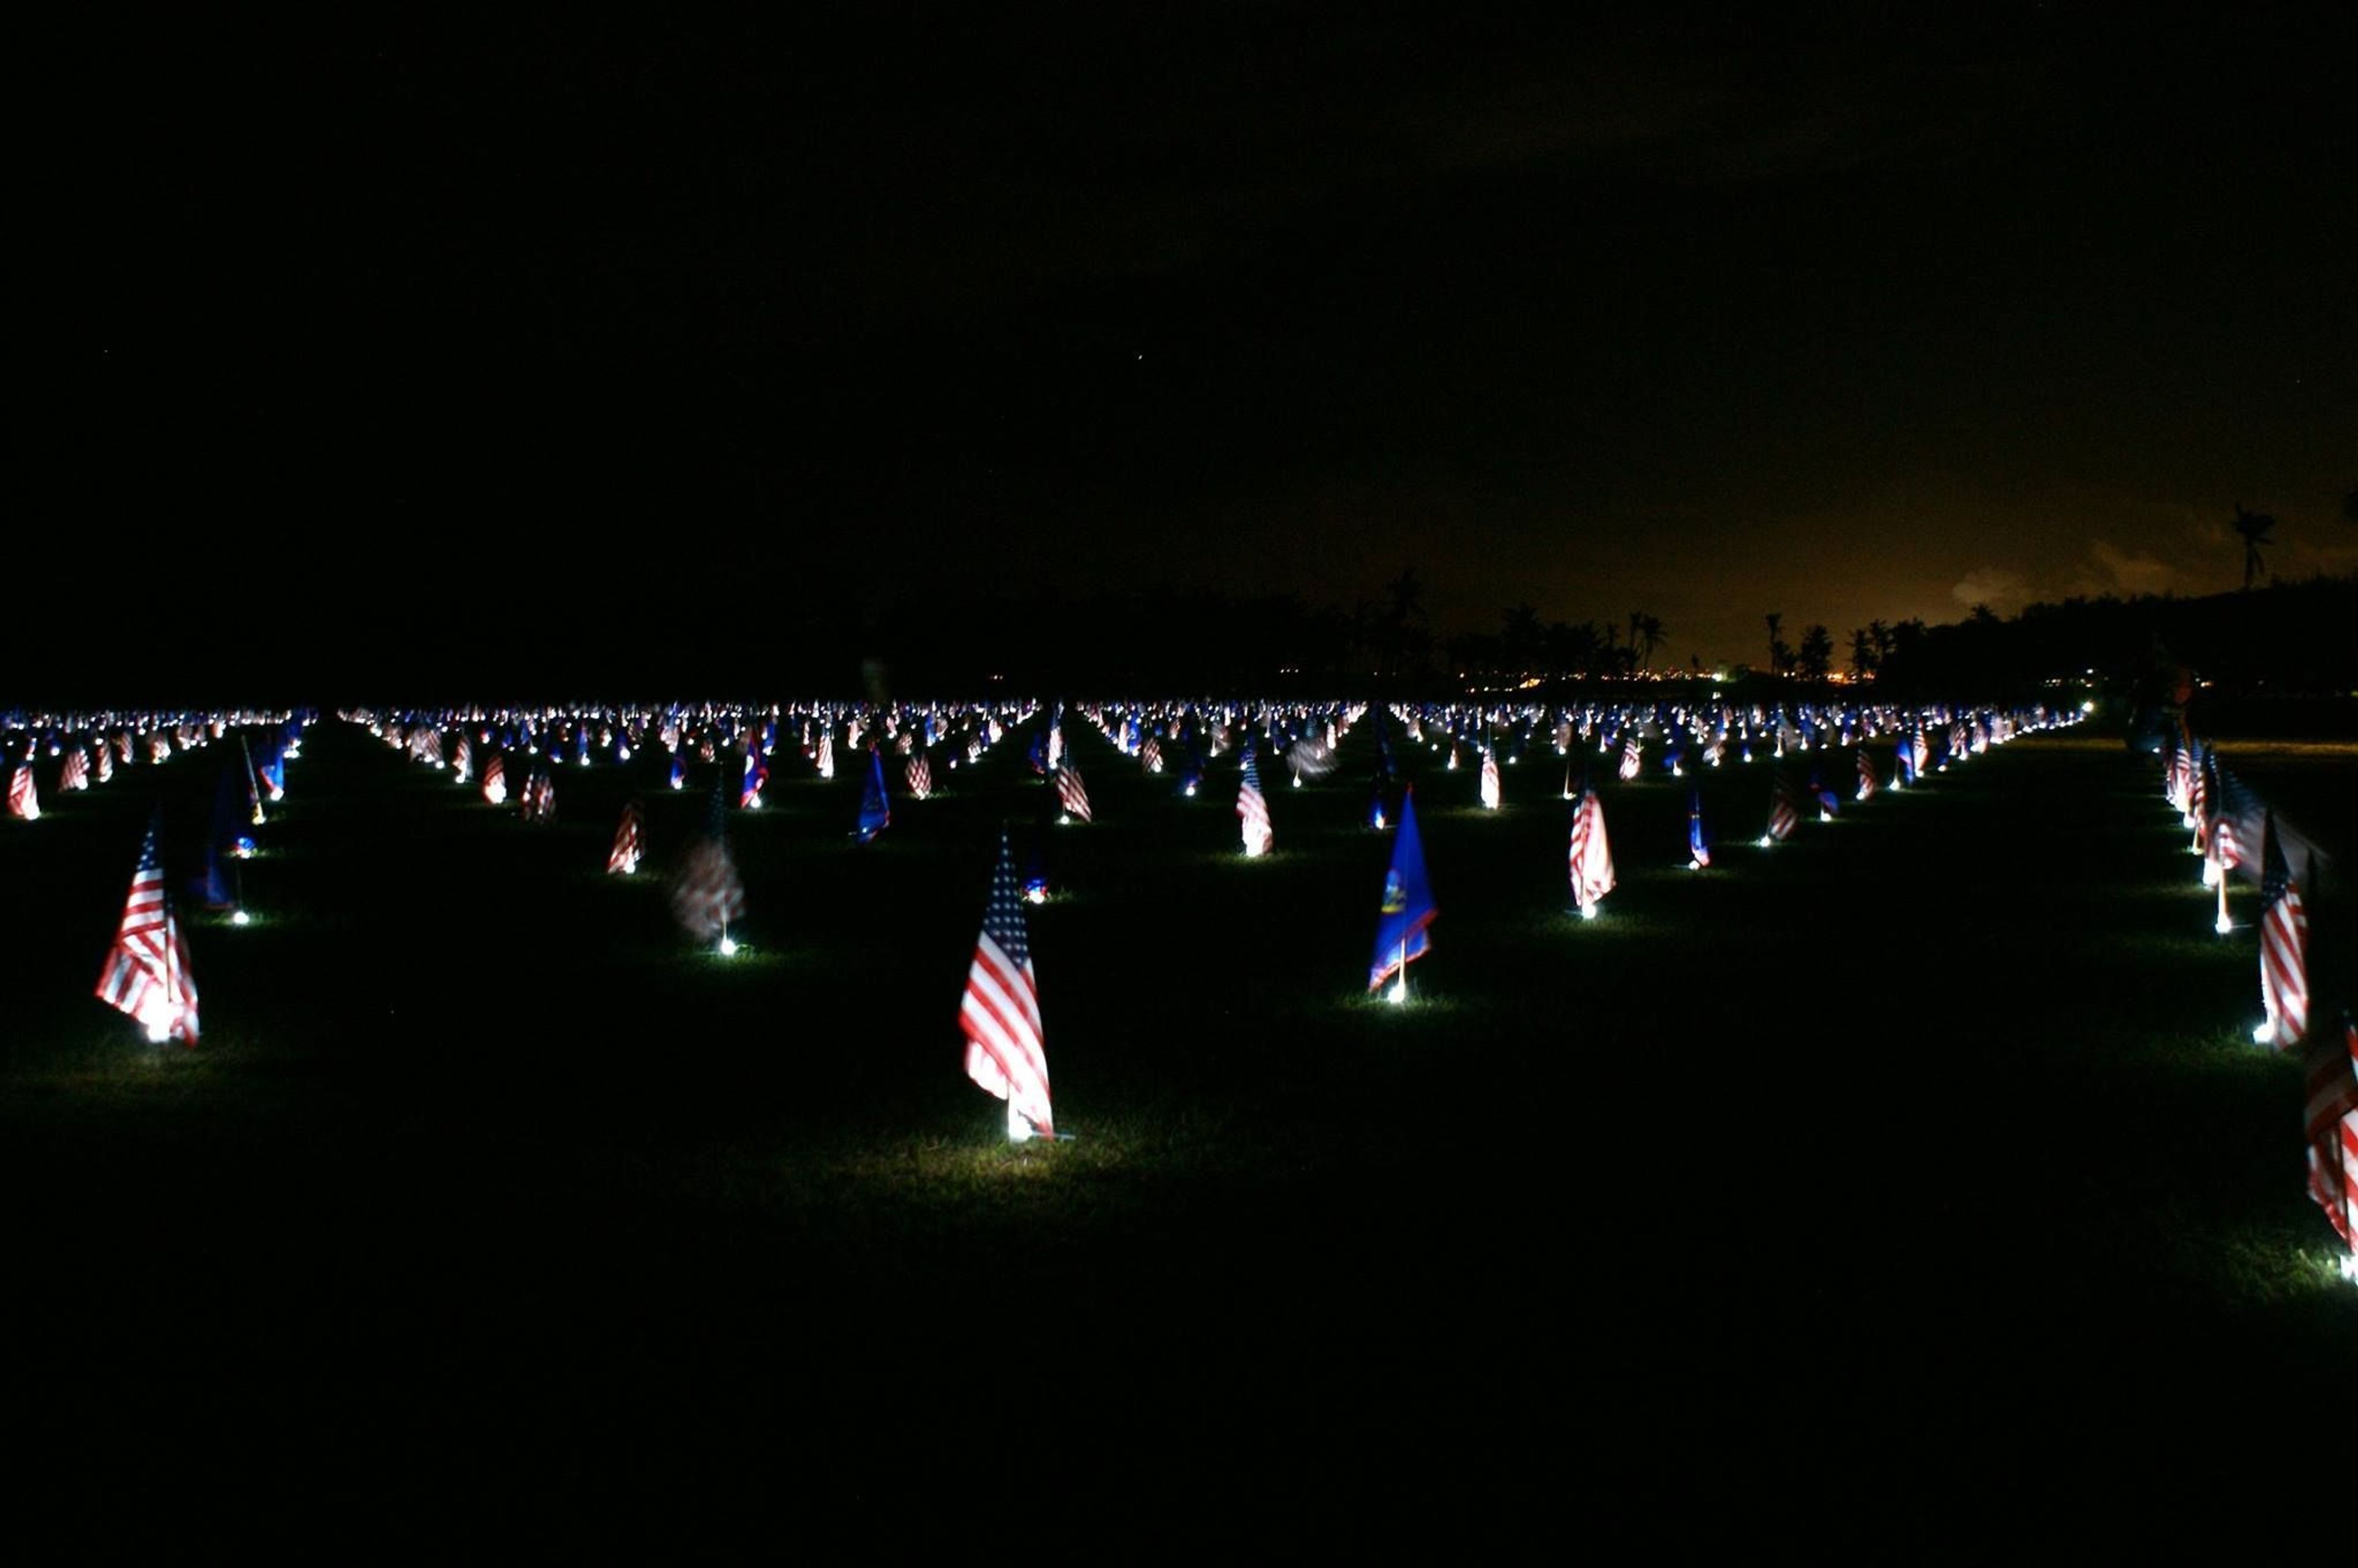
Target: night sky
{"type": "Point", "coordinates": [862, 321]}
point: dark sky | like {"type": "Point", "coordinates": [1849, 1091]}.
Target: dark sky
{"type": "Point", "coordinates": [556, 339]}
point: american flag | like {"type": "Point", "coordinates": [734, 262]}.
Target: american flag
{"type": "Point", "coordinates": [2284, 946]}
{"type": "Point", "coordinates": [1784, 810]}
{"type": "Point", "coordinates": [105, 761]}
{"type": "Point", "coordinates": [1491, 794]}
{"type": "Point", "coordinates": [709, 896]}
{"type": "Point", "coordinates": [2198, 801]}
{"type": "Point", "coordinates": [146, 972]}
{"type": "Point", "coordinates": [1254, 809]}
{"type": "Point", "coordinates": [1591, 858]}
{"type": "Point", "coordinates": [463, 762]}
{"type": "Point", "coordinates": [1000, 1012]}
{"type": "Point", "coordinates": [2333, 1131]}
{"type": "Point", "coordinates": [1149, 755]}
{"type": "Point", "coordinates": [75, 774]}
{"type": "Point", "coordinates": [1072, 794]}
{"type": "Point", "coordinates": [23, 800]}
{"type": "Point", "coordinates": [921, 777]}
{"type": "Point", "coordinates": [540, 797]}
{"type": "Point", "coordinates": [495, 780]}
{"type": "Point", "coordinates": [1632, 760]}
{"type": "Point", "coordinates": [624, 858]}
{"type": "Point", "coordinates": [1866, 774]}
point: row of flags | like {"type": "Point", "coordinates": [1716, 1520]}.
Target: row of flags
{"type": "Point", "coordinates": [2235, 829]}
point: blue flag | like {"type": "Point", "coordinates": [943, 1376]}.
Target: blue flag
{"type": "Point", "coordinates": [1698, 845]}
{"type": "Point", "coordinates": [1408, 906]}
{"type": "Point", "coordinates": [875, 811]}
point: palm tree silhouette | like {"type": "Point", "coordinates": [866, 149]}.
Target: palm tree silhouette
{"type": "Point", "coordinates": [1645, 632]}
{"type": "Point", "coordinates": [2253, 527]}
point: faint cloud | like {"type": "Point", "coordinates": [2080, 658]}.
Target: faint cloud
{"type": "Point", "coordinates": [2130, 574]}
{"type": "Point", "coordinates": [2001, 590]}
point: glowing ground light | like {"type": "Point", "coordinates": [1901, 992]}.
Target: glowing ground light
{"type": "Point", "coordinates": [240, 918]}
{"type": "Point", "coordinates": [2222, 925]}
{"type": "Point", "coordinates": [2350, 1267]}
{"type": "Point", "coordinates": [1587, 912]}
{"type": "Point", "coordinates": [2265, 1033]}
{"type": "Point", "coordinates": [1397, 995]}
{"type": "Point", "coordinates": [158, 1032]}
{"type": "Point", "coordinates": [1765, 840]}
{"type": "Point", "coordinates": [728, 948]}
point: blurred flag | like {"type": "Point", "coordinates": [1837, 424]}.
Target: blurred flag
{"type": "Point", "coordinates": [1072, 794]}
{"type": "Point", "coordinates": [1408, 908]}
{"type": "Point", "coordinates": [2333, 1131]}
{"type": "Point", "coordinates": [495, 780]}
{"type": "Point", "coordinates": [75, 773]}
{"type": "Point", "coordinates": [622, 860]}
{"type": "Point", "coordinates": [1490, 795]}
{"type": "Point", "coordinates": [1252, 808]}
{"type": "Point", "coordinates": [875, 807]}
{"type": "Point", "coordinates": [826, 754]}
{"type": "Point", "coordinates": [23, 799]}
{"type": "Point", "coordinates": [999, 1014]}
{"type": "Point", "coordinates": [539, 796]}
{"type": "Point", "coordinates": [1632, 760]}
{"type": "Point", "coordinates": [1591, 858]}
{"type": "Point", "coordinates": [1829, 803]}
{"type": "Point", "coordinates": [1149, 755]}
{"type": "Point", "coordinates": [2284, 946]}
{"type": "Point", "coordinates": [757, 774]}
{"type": "Point", "coordinates": [147, 971]}
{"type": "Point", "coordinates": [708, 896]}
{"type": "Point", "coordinates": [463, 762]}
{"type": "Point", "coordinates": [921, 777]}
{"type": "Point", "coordinates": [1784, 809]}
{"type": "Point", "coordinates": [1866, 775]}
{"type": "Point", "coordinates": [1698, 845]}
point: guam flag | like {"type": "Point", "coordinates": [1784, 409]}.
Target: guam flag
{"type": "Point", "coordinates": [757, 774]}
{"type": "Point", "coordinates": [875, 809]}
{"type": "Point", "coordinates": [1408, 907]}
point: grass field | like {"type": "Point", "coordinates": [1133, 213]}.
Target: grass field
{"type": "Point", "coordinates": [1845, 1175]}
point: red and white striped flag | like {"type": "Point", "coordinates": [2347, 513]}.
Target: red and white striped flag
{"type": "Point", "coordinates": [75, 773]}
{"type": "Point", "coordinates": [1632, 758]}
{"type": "Point", "coordinates": [146, 972]}
{"type": "Point", "coordinates": [1491, 797]}
{"type": "Point", "coordinates": [1252, 810]}
{"type": "Point", "coordinates": [1000, 1012]}
{"type": "Point", "coordinates": [1866, 774]}
{"type": "Point", "coordinates": [1591, 858]}
{"type": "Point", "coordinates": [709, 896]}
{"type": "Point", "coordinates": [921, 777]}
{"type": "Point", "coordinates": [495, 780]}
{"type": "Point", "coordinates": [1072, 794]}
{"type": "Point", "coordinates": [622, 860]}
{"type": "Point", "coordinates": [2284, 946]}
{"type": "Point", "coordinates": [540, 797]}
{"type": "Point", "coordinates": [2333, 1131]}
{"type": "Point", "coordinates": [23, 799]}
